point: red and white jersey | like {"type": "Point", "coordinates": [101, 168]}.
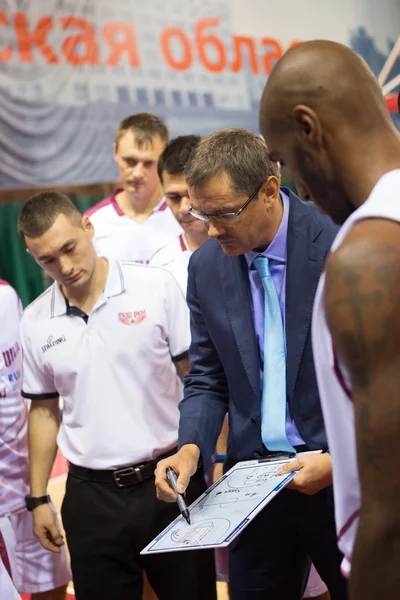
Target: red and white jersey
{"type": "Point", "coordinates": [175, 258]}
{"type": "Point", "coordinates": [119, 237]}
{"type": "Point", "coordinates": [334, 382]}
{"type": "Point", "coordinates": [7, 589]}
{"type": "Point", "coordinates": [14, 469]}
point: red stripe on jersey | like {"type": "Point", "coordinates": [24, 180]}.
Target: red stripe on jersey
{"type": "Point", "coordinates": [348, 524]}
{"type": "Point", "coordinates": [163, 206]}
{"type": "Point", "coordinates": [4, 555]}
{"type": "Point", "coordinates": [106, 202]}
{"type": "Point", "coordinates": [339, 374]}
{"type": "Point", "coordinates": [182, 242]}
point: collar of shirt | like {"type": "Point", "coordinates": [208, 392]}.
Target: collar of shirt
{"type": "Point", "coordinates": [114, 285]}
{"type": "Point", "coordinates": [162, 205]}
{"type": "Point", "coordinates": [277, 248]}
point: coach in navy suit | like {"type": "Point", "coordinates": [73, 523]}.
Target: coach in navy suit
{"type": "Point", "coordinates": [234, 189]}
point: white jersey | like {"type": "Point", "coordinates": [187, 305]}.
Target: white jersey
{"type": "Point", "coordinates": [175, 258]}
{"type": "Point", "coordinates": [334, 383]}
{"type": "Point", "coordinates": [119, 237]}
{"type": "Point", "coordinates": [13, 408]}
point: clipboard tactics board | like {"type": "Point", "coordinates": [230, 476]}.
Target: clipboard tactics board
{"type": "Point", "coordinates": [224, 510]}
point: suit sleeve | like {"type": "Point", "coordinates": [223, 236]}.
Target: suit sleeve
{"type": "Point", "coordinates": [205, 401]}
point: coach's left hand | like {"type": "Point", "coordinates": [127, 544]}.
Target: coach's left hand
{"type": "Point", "coordinates": [315, 473]}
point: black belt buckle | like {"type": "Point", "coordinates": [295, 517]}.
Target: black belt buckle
{"type": "Point", "coordinates": [127, 476]}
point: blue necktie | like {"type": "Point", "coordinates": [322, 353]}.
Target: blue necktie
{"type": "Point", "coordinates": [273, 402]}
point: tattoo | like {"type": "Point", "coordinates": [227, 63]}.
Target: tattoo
{"type": "Point", "coordinates": [362, 299]}
{"type": "Point", "coordinates": [365, 436]}
{"type": "Point", "coordinates": [360, 309]}
{"type": "Point", "coordinates": [362, 303]}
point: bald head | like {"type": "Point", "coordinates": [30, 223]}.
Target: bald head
{"type": "Point", "coordinates": [330, 79]}
{"type": "Point", "coordinates": [322, 114]}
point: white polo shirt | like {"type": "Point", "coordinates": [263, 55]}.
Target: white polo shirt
{"type": "Point", "coordinates": [175, 258]}
{"type": "Point", "coordinates": [115, 372]}
{"type": "Point", "coordinates": [120, 237]}
{"type": "Point", "coordinates": [14, 466]}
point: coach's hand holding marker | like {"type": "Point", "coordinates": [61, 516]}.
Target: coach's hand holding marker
{"type": "Point", "coordinates": [172, 480]}
{"type": "Point", "coordinates": [184, 464]}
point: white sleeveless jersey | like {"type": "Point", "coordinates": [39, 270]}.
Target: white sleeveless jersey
{"type": "Point", "coordinates": [14, 467]}
{"type": "Point", "coordinates": [175, 258]}
{"type": "Point", "coordinates": [334, 383]}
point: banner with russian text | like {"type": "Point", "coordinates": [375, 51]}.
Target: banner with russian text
{"type": "Point", "coordinates": [70, 70]}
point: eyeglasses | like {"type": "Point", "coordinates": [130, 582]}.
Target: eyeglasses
{"type": "Point", "coordinates": [224, 217]}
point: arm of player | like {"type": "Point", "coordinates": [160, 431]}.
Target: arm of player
{"type": "Point", "coordinates": [44, 422]}
{"type": "Point", "coordinates": [362, 303]}
{"type": "Point", "coordinates": [43, 425]}
{"type": "Point", "coordinates": [183, 367]}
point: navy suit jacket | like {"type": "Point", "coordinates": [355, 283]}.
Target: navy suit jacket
{"type": "Point", "coordinates": [225, 364]}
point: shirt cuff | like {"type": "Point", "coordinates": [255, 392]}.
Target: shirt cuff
{"type": "Point", "coordinates": [48, 396]}
{"type": "Point", "coordinates": [180, 357]}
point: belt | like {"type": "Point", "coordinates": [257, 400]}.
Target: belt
{"type": "Point", "coordinates": [124, 477]}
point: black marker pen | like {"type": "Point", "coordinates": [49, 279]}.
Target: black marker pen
{"type": "Point", "coordinates": [171, 476]}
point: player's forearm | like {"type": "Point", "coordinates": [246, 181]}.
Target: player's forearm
{"type": "Point", "coordinates": [44, 422]}
{"type": "Point", "coordinates": [376, 557]}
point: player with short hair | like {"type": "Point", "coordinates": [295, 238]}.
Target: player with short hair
{"type": "Point", "coordinates": [135, 221]}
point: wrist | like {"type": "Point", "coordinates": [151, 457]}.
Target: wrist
{"type": "Point", "coordinates": [37, 492]}
{"type": "Point", "coordinates": [192, 451]}
{"type": "Point", "coordinates": [32, 502]}
{"type": "Point", "coordinates": [219, 458]}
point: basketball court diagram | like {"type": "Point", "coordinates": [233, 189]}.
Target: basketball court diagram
{"type": "Point", "coordinates": [219, 515]}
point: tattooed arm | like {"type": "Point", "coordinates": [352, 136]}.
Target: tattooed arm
{"type": "Point", "coordinates": [362, 302]}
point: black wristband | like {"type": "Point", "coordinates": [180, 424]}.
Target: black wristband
{"type": "Point", "coordinates": [32, 502]}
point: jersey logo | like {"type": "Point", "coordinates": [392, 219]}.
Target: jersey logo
{"type": "Point", "coordinates": [51, 342]}
{"type": "Point", "coordinates": [132, 318]}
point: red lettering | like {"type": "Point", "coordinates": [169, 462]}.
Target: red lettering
{"type": "Point", "coordinates": [27, 39]}
{"type": "Point", "coordinates": [187, 59]}
{"type": "Point", "coordinates": [6, 53]}
{"type": "Point", "coordinates": [273, 55]}
{"type": "Point", "coordinates": [213, 41]}
{"type": "Point", "coordinates": [118, 48]}
{"type": "Point", "coordinates": [7, 358]}
{"type": "Point", "coordinates": [87, 37]}
{"type": "Point", "coordinates": [237, 64]}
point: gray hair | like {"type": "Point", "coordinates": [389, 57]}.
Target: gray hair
{"type": "Point", "coordinates": [239, 153]}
